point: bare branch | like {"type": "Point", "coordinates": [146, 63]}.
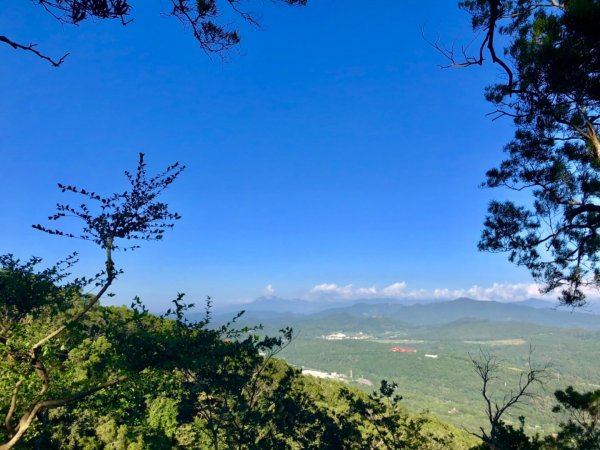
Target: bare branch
{"type": "Point", "coordinates": [243, 14]}
{"type": "Point", "coordinates": [486, 366]}
{"type": "Point", "coordinates": [487, 43]}
{"type": "Point", "coordinates": [31, 48]}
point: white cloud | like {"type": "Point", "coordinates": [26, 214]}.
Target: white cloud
{"type": "Point", "coordinates": [504, 291]}
{"type": "Point", "coordinates": [332, 290]}
{"type": "Point", "coordinates": [366, 292]}
{"type": "Point", "coordinates": [395, 290]}
{"type": "Point", "coordinates": [269, 291]}
{"type": "Point", "coordinates": [497, 291]}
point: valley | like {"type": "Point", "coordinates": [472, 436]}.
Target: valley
{"type": "Point", "coordinates": [356, 343]}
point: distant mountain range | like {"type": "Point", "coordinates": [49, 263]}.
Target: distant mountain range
{"type": "Point", "coordinates": [299, 306]}
{"type": "Point", "coordinates": [450, 311]}
{"type": "Point", "coordinates": [383, 314]}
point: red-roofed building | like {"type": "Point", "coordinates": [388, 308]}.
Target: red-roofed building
{"type": "Point", "coordinates": [404, 350]}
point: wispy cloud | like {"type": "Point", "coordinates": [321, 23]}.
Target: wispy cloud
{"type": "Point", "coordinates": [400, 290]}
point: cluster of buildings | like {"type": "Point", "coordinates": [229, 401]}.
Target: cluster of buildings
{"type": "Point", "coordinates": [336, 376]}
{"type": "Point", "coordinates": [328, 375]}
{"type": "Point", "coordinates": [341, 336]}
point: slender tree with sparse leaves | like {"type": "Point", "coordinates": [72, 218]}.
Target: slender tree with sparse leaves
{"type": "Point", "coordinates": [43, 322]}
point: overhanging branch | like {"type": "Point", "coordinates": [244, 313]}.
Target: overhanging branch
{"type": "Point", "coordinates": [32, 49]}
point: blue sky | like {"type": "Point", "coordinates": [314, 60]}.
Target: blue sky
{"type": "Point", "coordinates": [328, 153]}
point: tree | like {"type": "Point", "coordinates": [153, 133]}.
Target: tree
{"type": "Point", "coordinates": [235, 399]}
{"type": "Point", "coordinates": [253, 403]}
{"type": "Point", "coordinates": [581, 431]}
{"type": "Point", "coordinates": [173, 368]}
{"type": "Point", "coordinates": [393, 428]}
{"type": "Point", "coordinates": [52, 355]}
{"type": "Point", "coordinates": [509, 437]}
{"type": "Point", "coordinates": [551, 90]}
{"type": "Point", "coordinates": [503, 436]}
{"type": "Point", "coordinates": [202, 17]}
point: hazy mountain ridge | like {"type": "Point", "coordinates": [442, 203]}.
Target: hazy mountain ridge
{"type": "Point", "coordinates": [300, 306]}
{"type": "Point", "coordinates": [394, 315]}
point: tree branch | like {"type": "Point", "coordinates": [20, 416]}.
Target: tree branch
{"type": "Point", "coordinates": [11, 410]}
{"type": "Point", "coordinates": [110, 273]}
{"type": "Point", "coordinates": [30, 415]}
{"type": "Point", "coordinates": [31, 48]}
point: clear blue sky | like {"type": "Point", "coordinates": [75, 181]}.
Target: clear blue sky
{"type": "Point", "coordinates": [327, 149]}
